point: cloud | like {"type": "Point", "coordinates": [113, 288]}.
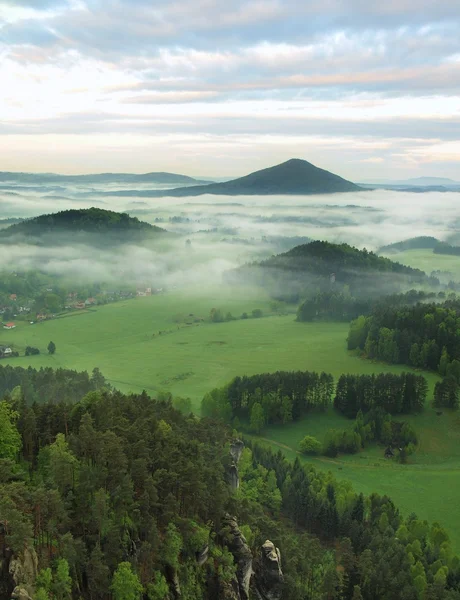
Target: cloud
{"type": "Point", "coordinates": [213, 68]}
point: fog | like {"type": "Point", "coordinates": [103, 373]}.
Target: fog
{"type": "Point", "coordinates": [225, 231]}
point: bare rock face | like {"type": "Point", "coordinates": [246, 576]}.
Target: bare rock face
{"type": "Point", "coordinates": [202, 555]}
{"type": "Point", "coordinates": [236, 543]}
{"type": "Point", "coordinates": [233, 477]}
{"type": "Point", "coordinates": [20, 593]}
{"type": "Point", "coordinates": [236, 449]}
{"type": "Point", "coordinates": [23, 569]}
{"type": "Point", "coordinates": [268, 577]}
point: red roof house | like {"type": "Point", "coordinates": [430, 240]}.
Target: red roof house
{"type": "Point", "coordinates": [9, 326]}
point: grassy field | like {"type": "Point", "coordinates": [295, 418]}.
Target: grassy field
{"type": "Point", "coordinates": [427, 261]}
{"type": "Point", "coordinates": [123, 340]}
{"type": "Point", "coordinates": [429, 485]}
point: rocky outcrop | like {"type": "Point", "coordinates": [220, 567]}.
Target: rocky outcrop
{"type": "Point", "coordinates": [202, 555]}
{"type": "Point", "coordinates": [172, 577]}
{"type": "Point", "coordinates": [236, 543]}
{"type": "Point", "coordinates": [17, 572]}
{"type": "Point", "coordinates": [23, 569]}
{"type": "Point", "coordinates": [236, 449]}
{"type": "Point", "coordinates": [20, 593]}
{"type": "Point", "coordinates": [268, 577]}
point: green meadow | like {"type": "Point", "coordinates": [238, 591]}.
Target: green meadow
{"type": "Point", "coordinates": [123, 339]}
{"type": "Point", "coordinates": [192, 356]}
{"type": "Point", "coordinates": [429, 485]}
{"type": "Point", "coordinates": [427, 261]}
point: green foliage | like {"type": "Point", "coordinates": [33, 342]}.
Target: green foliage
{"type": "Point", "coordinates": [257, 418]}
{"type": "Point", "coordinates": [125, 584]}
{"type": "Point", "coordinates": [51, 348]}
{"type": "Point", "coordinates": [10, 439]}
{"type": "Point", "coordinates": [184, 405]}
{"type": "Point", "coordinates": [310, 445]}
{"type": "Point", "coordinates": [62, 584]}
{"type": "Point", "coordinates": [158, 589]}
{"type": "Point", "coordinates": [172, 546]}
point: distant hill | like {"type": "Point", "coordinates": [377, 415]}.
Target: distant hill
{"type": "Point", "coordinates": [425, 181]}
{"type": "Point", "coordinates": [324, 266]}
{"type": "Point", "coordinates": [101, 178]}
{"type": "Point", "coordinates": [294, 177]}
{"type": "Point", "coordinates": [416, 243]}
{"type": "Point", "coordinates": [85, 225]}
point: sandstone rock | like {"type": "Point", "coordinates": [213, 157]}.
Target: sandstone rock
{"type": "Point", "coordinates": [202, 555]}
{"type": "Point", "coordinates": [236, 543]}
{"type": "Point", "coordinates": [268, 576]}
{"type": "Point", "coordinates": [23, 568]}
{"type": "Point", "coordinates": [21, 593]}
{"type": "Point", "coordinates": [236, 449]}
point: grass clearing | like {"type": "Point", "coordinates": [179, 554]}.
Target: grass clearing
{"type": "Point", "coordinates": [427, 261]}
{"type": "Point", "coordinates": [428, 485]}
{"type": "Point", "coordinates": [189, 360]}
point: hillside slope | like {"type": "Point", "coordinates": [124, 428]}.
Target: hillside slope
{"type": "Point", "coordinates": [86, 224]}
{"type": "Point", "coordinates": [325, 266]}
{"type": "Point", "coordinates": [294, 177]}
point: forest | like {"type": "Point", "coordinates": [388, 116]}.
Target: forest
{"type": "Point", "coordinates": [121, 496]}
{"type": "Point", "coordinates": [327, 267]}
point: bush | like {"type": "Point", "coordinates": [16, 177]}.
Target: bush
{"type": "Point", "coordinates": [30, 351]}
{"type": "Point", "coordinates": [310, 445]}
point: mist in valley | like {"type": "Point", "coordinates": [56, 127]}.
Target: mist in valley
{"type": "Point", "coordinates": [210, 235]}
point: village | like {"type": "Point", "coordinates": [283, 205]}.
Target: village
{"type": "Point", "coordinates": [52, 302]}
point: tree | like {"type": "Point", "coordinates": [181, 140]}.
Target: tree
{"type": "Point", "coordinates": [51, 348]}
{"type": "Point", "coordinates": [357, 595]}
{"type": "Point", "coordinates": [310, 445]}
{"type": "Point", "coordinates": [257, 420]}
{"type": "Point", "coordinates": [125, 583]}
{"type": "Point", "coordinates": [62, 584]}
{"type": "Point", "coordinates": [158, 589]}
{"type": "Point", "coordinates": [10, 440]}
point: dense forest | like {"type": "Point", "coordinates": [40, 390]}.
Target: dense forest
{"type": "Point", "coordinates": [423, 242]}
{"type": "Point", "coordinates": [123, 497]}
{"type": "Point", "coordinates": [445, 248]}
{"type": "Point", "coordinates": [342, 306]}
{"type": "Point", "coordinates": [426, 335]}
{"type": "Point", "coordinates": [84, 223]}
{"type": "Point", "coordinates": [285, 396]}
{"type": "Point", "coordinates": [326, 267]}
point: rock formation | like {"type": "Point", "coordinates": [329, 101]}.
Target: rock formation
{"type": "Point", "coordinates": [268, 577]}
{"type": "Point", "coordinates": [236, 449]}
{"type": "Point", "coordinates": [236, 543]}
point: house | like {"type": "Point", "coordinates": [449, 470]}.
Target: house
{"type": "Point", "coordinates": [5, 352]}
{"type": "Point", "coordinates": [9, 326]}
{"type": "Point", "coordinates": [41, 316]}
{"type": "Point", "coordinates": [79, 305]}
{"type": "Point", "coordinates": [90, 301]}
{"type": "Point", "coordinates": [13, 297]}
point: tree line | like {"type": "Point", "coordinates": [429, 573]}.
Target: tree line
{"type": "Point", "coordinates": [120, 495]}
{"type": "Point", "coordinates": [395, 394]}
{"type": "Point", "coordinates": [279, 397]}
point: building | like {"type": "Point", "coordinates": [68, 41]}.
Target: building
{"type": "Point", "coordinates": [5, 352]}
{"type": "Point", "coordinates": [13, 297]}
{"type": "Point", "coordinates": [9, 326]}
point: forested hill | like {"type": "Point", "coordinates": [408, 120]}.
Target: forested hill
{"type": "Point", "coordinates": [292, 177]}
{"type": "Point", "coordinates": [416, 243]}
{"type": "Point", "coordinates": [87, 221]}
{"type": "Point", "coordinates": [330, 266]}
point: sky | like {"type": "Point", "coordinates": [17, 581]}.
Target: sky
{"type": "Point", "coordinates": [219, 88]}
